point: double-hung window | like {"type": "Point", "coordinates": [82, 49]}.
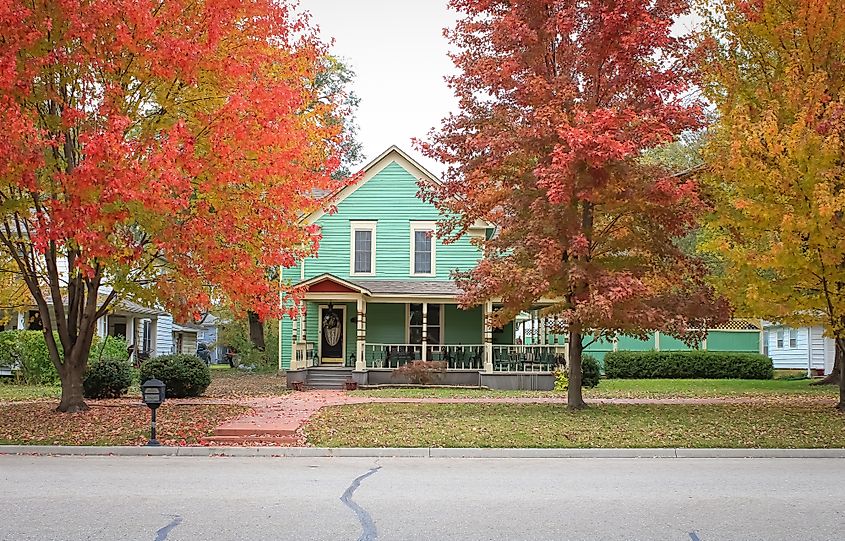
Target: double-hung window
{"type": "Point", "coordinates": [423, 249]}
{"type": "Point", "coordinates": [793, 338]}
{"type": "Point", "coordinates": [433, 334]}
{"type": "Point", "coordinates": [362, 249]}
{"type": "Point", "coordinates": [780, 339]}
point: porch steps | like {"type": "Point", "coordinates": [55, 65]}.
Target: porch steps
{"type": "Point", "coordinates": [327, 378]}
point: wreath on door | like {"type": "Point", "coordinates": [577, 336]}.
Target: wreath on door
{"type": "Point", "coordinates": [331, 328]}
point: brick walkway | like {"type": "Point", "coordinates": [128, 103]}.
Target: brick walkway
{"type": "Point", "coordinates": [276, 421]}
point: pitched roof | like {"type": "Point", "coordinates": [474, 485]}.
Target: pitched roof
{"type": "Point", "coordinates": [374, 287]}
{"type": "Point", "coordinates": [437, 288]}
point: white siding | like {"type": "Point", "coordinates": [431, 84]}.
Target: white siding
{"type": "Point", "coordinates": [786, 357]}
{"type": "Point", "coordinates": [829, 355]}
{"type": "Point", "coordinates": [798, 357]}
{"type": "Point", "coordinates": [164, 335]}
{"type": "Point", "coordinates": [817, 346]}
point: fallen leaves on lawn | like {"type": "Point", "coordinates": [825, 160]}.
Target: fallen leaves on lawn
{"type": "Point", "coordinates": [793, 425]}
{"type": "Point", "coordinates": [111, 422]}
{"type": "Point", "coordinates": [234, 384]}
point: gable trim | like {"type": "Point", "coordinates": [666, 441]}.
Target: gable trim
{"type": "Point", "coordinates": [332, 278]}
{"type": "Point", "coordinates": [376, 166]}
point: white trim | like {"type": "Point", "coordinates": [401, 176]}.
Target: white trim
{"type": "Point", "coordinates": [423, 226]}
{"type": "Point", "coordinates": [332, 278]}
{"type": "Point", "coordinates": [320, 332]}
{"type": "Point", "coordinates": [362, 225]}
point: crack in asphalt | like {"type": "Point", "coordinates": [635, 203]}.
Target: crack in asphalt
{"type": "Point", "coordinates": [162, 534]}
{"type": "Point", "coordinates": [368, 527]}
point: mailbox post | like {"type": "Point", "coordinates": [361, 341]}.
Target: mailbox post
{"type": "Point", "coordinates": [153, 394]}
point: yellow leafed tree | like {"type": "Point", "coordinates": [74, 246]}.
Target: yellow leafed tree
{"type": "Point", "coordinates": [776, 71]}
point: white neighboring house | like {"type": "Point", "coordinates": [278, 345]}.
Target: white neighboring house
{"type": "Point", "coordinates": [799, 348]}
{"type": "Point", "coordinates": [186, 337]}
{"type": "Point", "coordinates": [148, 329]}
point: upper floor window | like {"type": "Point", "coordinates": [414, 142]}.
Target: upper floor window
{"type": "Point", "coordinates": [423, 251]}
{"type": "Point", "coordinates": [363, 249]}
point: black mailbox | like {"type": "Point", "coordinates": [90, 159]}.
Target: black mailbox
{"type": "Point", "coordinates": [153, 393]}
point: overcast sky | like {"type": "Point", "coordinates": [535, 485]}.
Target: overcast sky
{"type": "Point", "coordinates": [398, 52]}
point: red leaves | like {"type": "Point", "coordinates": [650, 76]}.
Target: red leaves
{"type": "Point", "coordinates": [111, 422]}
{"type": "Point", "coordinates": [174, 144]}
{"type": "Point", "coordinates": [558, 102]}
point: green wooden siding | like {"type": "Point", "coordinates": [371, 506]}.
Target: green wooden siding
{"type": "Point", "coordinates": [734, 341]}
{"type": "Point", "coordinates": [462, 326]}
{"type": "Point", "coordinates": [390, 199]}
{"type": "Point", "coordinates": [386, 323]}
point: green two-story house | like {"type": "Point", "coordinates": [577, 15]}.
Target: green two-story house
{"type": "Point", "coordinates": [380, 294]}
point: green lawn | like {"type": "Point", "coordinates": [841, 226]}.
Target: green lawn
{"type": "Point", "coordinates": [23, 393]}
{"type": "Point", "coordinates": [641, 388]}
{"type": "Point", "coordinates": [549, 425]}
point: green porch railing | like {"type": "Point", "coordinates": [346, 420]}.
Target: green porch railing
{"type": "Point", "coordinates": [456, 357]}
{"type": "Point", "coordinates": [530, 358]}
{"type": "Point", "coordinates": [391, 355]}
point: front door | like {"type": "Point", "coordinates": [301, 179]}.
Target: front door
{"type": "Point", "coordinates": [332, 335]}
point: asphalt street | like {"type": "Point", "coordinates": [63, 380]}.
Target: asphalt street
{"type": "Point", "coordinates": [189, 498]}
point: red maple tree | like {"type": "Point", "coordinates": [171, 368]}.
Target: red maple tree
{"type": "Point", "coordinates": [558, 100]}
{"type": "Point", "coordinates": [156, 151]}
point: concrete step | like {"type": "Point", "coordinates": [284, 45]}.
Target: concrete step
{"type": "Point", "coordinates": [236, 431]}
{"type": "Point", "coordinates": [230, 440]}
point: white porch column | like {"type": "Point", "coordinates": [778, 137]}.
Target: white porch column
{"type": "Point", "coordinates": [361, 323]}
{"type": "Point", "coordinates": [154, 337]}
{"type": "Point", "coordinates": [657, 340]}
{"type": "Point", "coordinates": [488, 337]}
{"type": "Point", "coordinates": [132, 336]}
{"type": "Point", "coordinates": [294, 323]}
{"type": "Point", "coordinates": [424, 331]}
{"type": "Point", "coordinates": [544, 339]}
{"type": "Point", "coordinates": [21, 323]}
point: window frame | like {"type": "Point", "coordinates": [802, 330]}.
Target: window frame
{"type": "Point", "coordinates": [426, 226]}
{"type": "Point", "coordinates": [360, 225]}
{"type": "Point", "coordinates": [793, 338]}
{"type": "Point", "coordinates": [441, 326]}
{"type": "Point", "coordinates": [779, 339]}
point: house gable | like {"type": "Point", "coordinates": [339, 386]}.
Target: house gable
{"type": "Point", "coordinates": [386, 195]}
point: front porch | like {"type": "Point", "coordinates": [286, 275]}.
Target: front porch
{"type": "Point", "coordinates": [375, 327]}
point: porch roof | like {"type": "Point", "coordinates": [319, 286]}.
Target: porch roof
{"type": "Point", "coordinates": [375, 288]}
{"type": "Point", "coordinates": [437, 288]}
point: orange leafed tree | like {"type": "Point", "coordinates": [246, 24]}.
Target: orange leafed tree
{"type": "Point", "coordinates": [558, 100]}
{"type": "Point", "coordinates": [158, 151]}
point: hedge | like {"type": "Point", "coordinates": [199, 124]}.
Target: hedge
{"type": "Point", "coordinates": [687, 364]}
{"type": "Point", "coordinates": [184, 376]}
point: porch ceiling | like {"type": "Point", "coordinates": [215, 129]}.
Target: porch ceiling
{"type": "Point", "coordinates": [328, 283]}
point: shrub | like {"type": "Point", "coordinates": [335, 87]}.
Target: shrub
{"type": "Point", "coordinates": [687, 364]}
{"type": "Point", "coordinates": [183, 375]}
{"type": "Point", "coordinates": [590, 371]}
{"type": "Point", "coordinates": [27, 352]}
{"type": "Point", "coordinates": [107, 378]}
{"type": "Point", "coordinates": [110, 348]}
{"type": "Point", "coordinates": [421, 372]}
{"type": "Point", "coordinates": [561, 381]}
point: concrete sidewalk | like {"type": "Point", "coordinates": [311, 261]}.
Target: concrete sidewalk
{"type": "Point", "coordinates": [416, 452]}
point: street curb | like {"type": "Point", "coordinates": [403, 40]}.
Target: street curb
{"type": "Point", "coordinates": [415, 452]}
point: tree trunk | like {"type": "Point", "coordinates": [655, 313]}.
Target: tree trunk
{"type": "Point", "coordinates": [256, 331]}
{"type": "Point", "coordinates": [833, 378]}
{"type": "Point", "coordinates": [574, 397]}
{"type": "Point", "coordinates": [840, 352]}
{"type": "Point", "coordinates": [71, 375]}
